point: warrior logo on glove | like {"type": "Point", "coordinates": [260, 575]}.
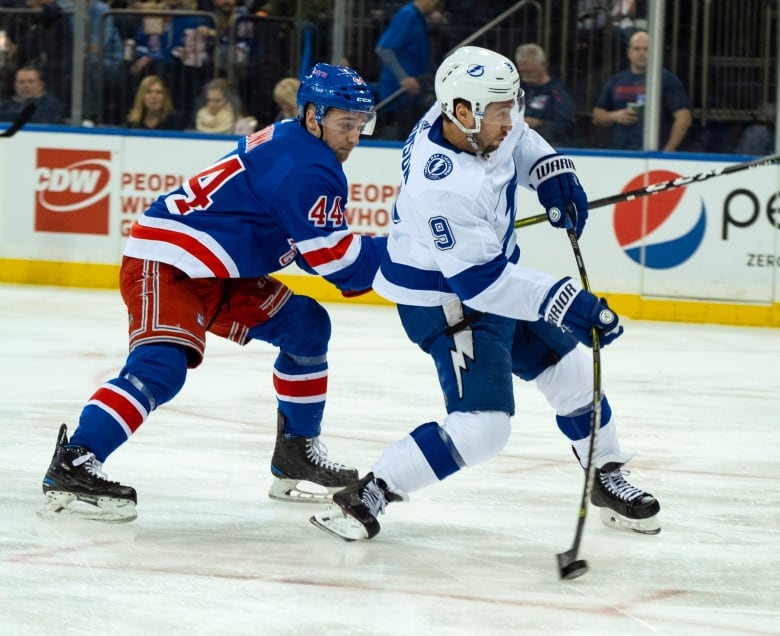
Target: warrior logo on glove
{"type": "Point", "coordinates": [569, 306]}
{"type": "Point", "coordinates": [558, 189]}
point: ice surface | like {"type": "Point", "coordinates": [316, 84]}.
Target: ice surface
{"type": "Point", "coordinates": [211, 554]}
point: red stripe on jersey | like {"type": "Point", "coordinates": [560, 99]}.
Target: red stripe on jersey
{"type": "Point", "coordinates": [304, 387]}
{"type": "Point", "coordinates": [119, 403]}
{"type": "Point", "coordinates": [328, 254]}
{"type": "Point", "coordinates": [185, 242]}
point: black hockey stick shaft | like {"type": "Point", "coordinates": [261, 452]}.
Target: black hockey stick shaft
{"type": "Point", "coordinates": [21, 119]}
{"type": "Point", "coordinates": [569, 566]}
{"type": "Point", "coordinates": [655, 188]}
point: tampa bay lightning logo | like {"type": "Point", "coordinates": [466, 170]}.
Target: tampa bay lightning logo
{"type": "Point", "coordinates": [476, 70]}
{"type": "Point", "coordinates": [437, 167]}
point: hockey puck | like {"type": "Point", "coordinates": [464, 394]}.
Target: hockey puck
{"type": "Point", "coordinates": [572, 569]}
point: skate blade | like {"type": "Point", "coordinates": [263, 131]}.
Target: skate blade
{"type": "Point", "coordinates": [301, 491]}
{"type": "Point", "coordinates": [612, 519]}
{"type": "Point", "coordinates": [334, 521]}
{"type": "Point", "coordinates": [105, 509]}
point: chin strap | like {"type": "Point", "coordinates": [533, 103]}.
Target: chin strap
{"type": "Point", "coordinates": [469, 132]}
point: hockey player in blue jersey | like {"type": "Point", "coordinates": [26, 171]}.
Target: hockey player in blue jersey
{"type": "Point", "coordinates": [199, 260]}
{"type": "Point", "coordinates": [452, 268]}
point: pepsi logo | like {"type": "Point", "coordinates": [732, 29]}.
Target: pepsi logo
{"type": "Point", "coordinates": [663, 230]}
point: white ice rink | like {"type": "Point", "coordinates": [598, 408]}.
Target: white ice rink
{"type": "Point", "coordinates": [211, 554]}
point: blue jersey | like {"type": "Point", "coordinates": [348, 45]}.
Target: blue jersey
{"type": "Point", "coordinates": [280, 194]}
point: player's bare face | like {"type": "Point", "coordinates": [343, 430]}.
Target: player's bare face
{"type": "Point", "coordinates": [341, 130]}
{"type": "Point", "coordinates": [496, 125]}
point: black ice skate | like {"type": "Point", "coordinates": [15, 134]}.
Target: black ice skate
{"type": "Point", "coordinates": [621, 504]}
{"type": "Point", "coordinates": [305, 459]}
{"type": "Point", "coordinates": [355, 509]}
{"type": "Point", "coordinates": [76, 485]}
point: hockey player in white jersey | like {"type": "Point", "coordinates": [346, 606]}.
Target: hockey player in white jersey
{"type": "Point", "coordinates": [452, 268]}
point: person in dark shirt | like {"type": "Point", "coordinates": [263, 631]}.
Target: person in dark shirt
{"type": "Point", "coordinates": [549, 108]}
{"type": "Point", "coordinates": [45, 41]}
{"type": "Point", "coordinates": [152, 108]}
{"type": "Point", "coordinates": [622, 99]}
{"type": "Point", "coordinates": [29, 87]}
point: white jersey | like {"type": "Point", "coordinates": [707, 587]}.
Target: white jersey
{"type": "Point", "coordinates": [453, 225]}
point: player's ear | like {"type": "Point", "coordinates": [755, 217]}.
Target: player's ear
{"type": "Point", "coordinates": [310, 120]}
{"type": "Point", "coordinates": [463, 114]}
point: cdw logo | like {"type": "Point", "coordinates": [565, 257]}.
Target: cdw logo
{"type": "Point", "coordinates": [72, 190]}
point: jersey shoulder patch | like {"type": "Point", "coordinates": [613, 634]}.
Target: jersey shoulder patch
{"type": "Point", "coordinates": [437, 167]}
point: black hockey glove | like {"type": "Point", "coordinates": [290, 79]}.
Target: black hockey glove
{"type": "Point", "coordinates": [559, 191]}
{"type": "Point", "coordinates": [569, 306]}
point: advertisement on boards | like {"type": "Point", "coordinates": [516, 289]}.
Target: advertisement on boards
{"type": "Point", "coordinates": [717, 240]}
{"type": "Point", "coordinates": [72, 198]}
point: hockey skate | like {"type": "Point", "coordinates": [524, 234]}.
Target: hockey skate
{"type": "Point", "coordinates": [355, 509]}
{"type": "Point", "coordinates": [75, 485]}
{"type": "Point", "coordinates": [622, 505]}
{"type": "Point", "coordinates": [304, 459]}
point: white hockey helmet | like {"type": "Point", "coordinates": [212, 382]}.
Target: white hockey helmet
{"type": "Point", "coordinates": [479, 76]}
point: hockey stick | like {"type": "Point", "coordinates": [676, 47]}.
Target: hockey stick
{"type": "Point", "coordinates": [21, 119]}
{"type": "Point", "coordinates": [655, 188]}
{"type": "Point", "coordinates": [569, 566]}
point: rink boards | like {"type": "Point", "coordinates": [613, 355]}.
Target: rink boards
{"type": "Point", "coordinates": [706, 252]}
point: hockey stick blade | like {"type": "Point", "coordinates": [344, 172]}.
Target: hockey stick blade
{"type": "Point", "coordinates": [569, 566]}
{"type": "Point", "coordinates": [21, 119]}
{"type": "Point", "coordinates": [663, 186]}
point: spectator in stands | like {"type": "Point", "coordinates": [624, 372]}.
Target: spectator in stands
{"type": "Point", "coordinates": [105, 65]}
{"type": "Point", "coordinates": [221, 109]}
{"type": "Point", "coordinates": [46, 42]}
{"type": "Point", "coordinates": [549, 108]}
{"type": "Point", "coordinates": [758, 138]}
{"type": "Point", "coordinates": [285, 95]}
{"type": "Point", "coordinates": [622, 15]}
{"type": "Point", "coordinates": [29, 87]}
{"type": "Point", "coordinates": [175, 48]}
{"type": "Point", "coordinates": [152, 108]}
{"type": "Point", "coordinates": [226, 11]}
{"type": "Point", "coordinates": [404, 52]}
{"type": "Point", "coordinates": [622, 99]}
{"type": "Point", "coordinates": [311, 10]}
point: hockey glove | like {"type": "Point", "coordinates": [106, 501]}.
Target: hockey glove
{"type": "Point", "coordinates": [560, 192]}
{"type": "Point", "coordinates": [568, 305]}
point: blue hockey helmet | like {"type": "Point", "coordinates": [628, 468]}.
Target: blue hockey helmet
{"type": "Point", "coordinates": [328, 86]}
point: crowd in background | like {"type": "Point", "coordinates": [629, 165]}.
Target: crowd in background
{"type": "Point", "coordinates": [220, 66]}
